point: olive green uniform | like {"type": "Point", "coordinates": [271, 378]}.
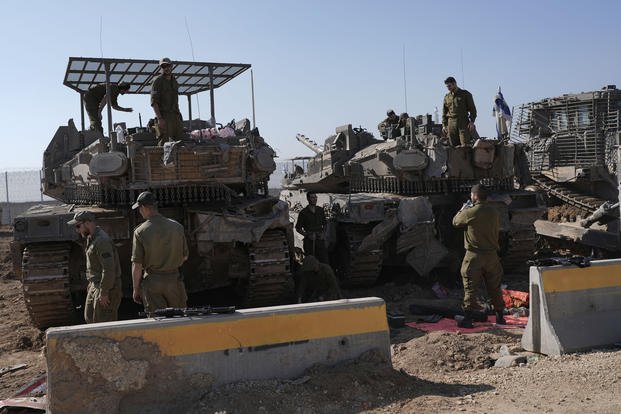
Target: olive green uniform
{"type": "Point", "coordinates": [481, 262]}
{"type": "Point", "coordinates": [165, 93]}
{"type": "Point", "coordinates": [457, 111]}
{"type": "Point", "coordinates": [313, 224]}
{"type": "Point", "coordinates": [316, 281]}
{"type": "Point", "coordinates": [103, 271]}
{"type": "Point", "coordinates": [92, 100]}
{"type": "Point", "coordinates": [160, 246]}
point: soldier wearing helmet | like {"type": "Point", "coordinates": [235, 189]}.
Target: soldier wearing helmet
{"type": "Point", "coordinates": [387, 125]}
{"type": "Point", "coordinates": [95, 100]}
{"type": "Point", "coordinates": [165, 103]}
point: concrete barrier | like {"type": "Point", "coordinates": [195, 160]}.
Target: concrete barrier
{"type": "Point", "coordinates": [574, 309]}
{"type": "Point", "coordinates": [162, 365]}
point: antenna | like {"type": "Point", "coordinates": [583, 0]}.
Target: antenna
{"type": "Point", "coordinates": [405, 86]}
{"type": "Point", "coordinates": [461, 53]}
{"type": "Point", "coordinates": [101, 35]}
{"type": "Point", "coordinates": [187, 29]}
{"type": "Point", "coordinates": [254, 124]}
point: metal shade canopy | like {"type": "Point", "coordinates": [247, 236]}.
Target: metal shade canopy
{"type": "Point", "coordinates": [193, 77]}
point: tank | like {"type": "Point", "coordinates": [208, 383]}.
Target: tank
{"type": "Point", "coordinates": [390, 201]}
{"type": "Point", "coordinates": [573, 144]}
{"type": "Point", "coordinates": [213, 181]}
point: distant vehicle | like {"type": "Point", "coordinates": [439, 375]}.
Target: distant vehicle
{"type": "Point", "coordinates": [216, 187]}
{"type": "Point", "coordinates": [391, 201]}
{"type": "Point", "coordinates": [573, 143]}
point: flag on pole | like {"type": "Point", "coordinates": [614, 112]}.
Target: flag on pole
{"type": "Point", "coordinates": [503, 115]}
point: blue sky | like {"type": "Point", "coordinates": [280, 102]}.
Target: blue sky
{"type": "Point", "coordinates": [317, 64]}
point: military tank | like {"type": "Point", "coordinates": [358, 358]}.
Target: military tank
{"type": "Point", "coordinates": [390, 201]}
{"type": "Point", "coordinates": [573, 143]}
{"type": "Point", "coordinates": [212, 181]}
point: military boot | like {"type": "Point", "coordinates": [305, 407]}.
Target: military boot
{"type": "Point", "coordinates": [500, 319]}
{"type": "Point", "coordinates": [479, 316]}
{"type": "Point", "coordinates": [464, 321]}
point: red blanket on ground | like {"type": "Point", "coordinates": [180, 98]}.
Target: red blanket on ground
{"type": "Point", "coordinates": [450, 325]}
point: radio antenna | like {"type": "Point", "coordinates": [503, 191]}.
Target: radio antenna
{"type": "Point", "coordinates": [187, 29]}
{"type": "Point", "coordinates": [101, 36]}
{"type": "Point", "coordinates": [405, 85]}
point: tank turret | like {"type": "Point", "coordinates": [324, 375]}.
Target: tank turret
{"type": "Point", "coordinates": [368, 185]}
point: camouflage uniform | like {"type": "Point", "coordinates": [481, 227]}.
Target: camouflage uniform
{"type": "Point", "coordinates": [165, 93]}
{"type": "Point", "coordinates": [160, 246]}
{"type": "Point", "coordinates": [481, 262]}
{"type": "Point", "coordinates": [92, 100]}
{"type": "Point", "coordinates": [457, 111]}
{"type": "Point", "coordinates": [316, 282]}
{"type": "Point", "coordinates": [315, 223]}
{"type": "Point", "coordinates": [103, 271]}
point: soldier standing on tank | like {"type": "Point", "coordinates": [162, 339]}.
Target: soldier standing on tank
{"type": "Point", "coordinates": [312, 224]}
{"type": "Point", "coordinates": [165, 103]}
{"type": "Point", "coordinates": [458, 114]}
{"type": "Point", "coordinates": [103, 270]}
{"type": "Point", "coordinates": [316, 282]}
{"type": "Point", "coordinates": [95, 100]}
{"type": "Point", "coordinates": [159, 249]}
{"type": "Point", "coordinates": [481, 263]}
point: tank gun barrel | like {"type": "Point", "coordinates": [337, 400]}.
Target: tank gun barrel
{"type": "Point", "coordinates": [309, 143]}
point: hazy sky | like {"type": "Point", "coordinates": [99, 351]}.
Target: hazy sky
{"type": "Point", "coordinates": [317, 64]}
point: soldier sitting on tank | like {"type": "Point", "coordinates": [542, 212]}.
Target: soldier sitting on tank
{"type": "Point", "coordinates": [95, 100]}
{"type": "Point", "coordinates": [312, 224]}
{"type": "Point", "coordinates": [315, 282]}
{"type": "Point", "coordinates": [388, 126]}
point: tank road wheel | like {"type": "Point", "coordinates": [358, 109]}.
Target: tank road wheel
{"type": "Point", "coordinates": [270, 281]}
{"type": "Point", "coordinates": [355, 269]}
{"type": "Point", "coordinates": [47, 284]}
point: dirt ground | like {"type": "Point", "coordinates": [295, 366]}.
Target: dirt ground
{"type": "Point", "coordinates": [438, 372]}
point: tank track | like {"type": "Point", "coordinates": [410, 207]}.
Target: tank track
{"type": "Point", "coordinates": [522, 235]}
{"type": "Point", "coordinates": [355, 269]}
{"type": "Point", "coordinates": [563, 193]}
{"type": "Point", "coordinates": [270, 279]}
{"type": "Point", "coordinates": [47, 284]}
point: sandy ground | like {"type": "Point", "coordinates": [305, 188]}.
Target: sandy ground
{"type": "Point", "coordinates": [437, 372]}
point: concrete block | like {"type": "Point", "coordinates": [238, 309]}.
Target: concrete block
{"type": "Point", "coordinates": [574, 309]}
{"type": "Point", "coordinates": [162, 365]}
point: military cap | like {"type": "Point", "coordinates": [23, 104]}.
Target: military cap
{"type": "Point", "coordinates": [81, 217]}
{"type": "Point", "coordinates": [146, 198]}
{"type": "Point", "coordinates": [450, 79]}
{"type": "Point", "coordinates": [165, 61]}
{"type": "Point", "coordinates": [390, 112]}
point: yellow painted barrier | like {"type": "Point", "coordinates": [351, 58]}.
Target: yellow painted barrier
{"type": "Point", "coordinates": [574, 309]}
{"type": "Point", "coordinates": [158, 365]}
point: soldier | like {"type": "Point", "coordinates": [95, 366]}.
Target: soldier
{"type": "Point", "coordinates": [316, 282]}
{"type": "Point", "coordinates": [165, 103]}
{"type": "Point", "coordinates": [159, 249]}
{"type": "Point", "coordinates": [386, 126]}
{"type": "Point", "coordinates": [481, 262]}
{"type": "Point", "coordinates": [103, 270]}
{"type": "Point", "coordinates": [458, 114]}
{"type": "Point", "coordinates": [95, 100]}
{"type": "Point", "coordinates": [311, 224]}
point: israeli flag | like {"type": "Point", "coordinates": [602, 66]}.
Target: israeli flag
{"type": "Point", "coordinates": [503, 115]}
